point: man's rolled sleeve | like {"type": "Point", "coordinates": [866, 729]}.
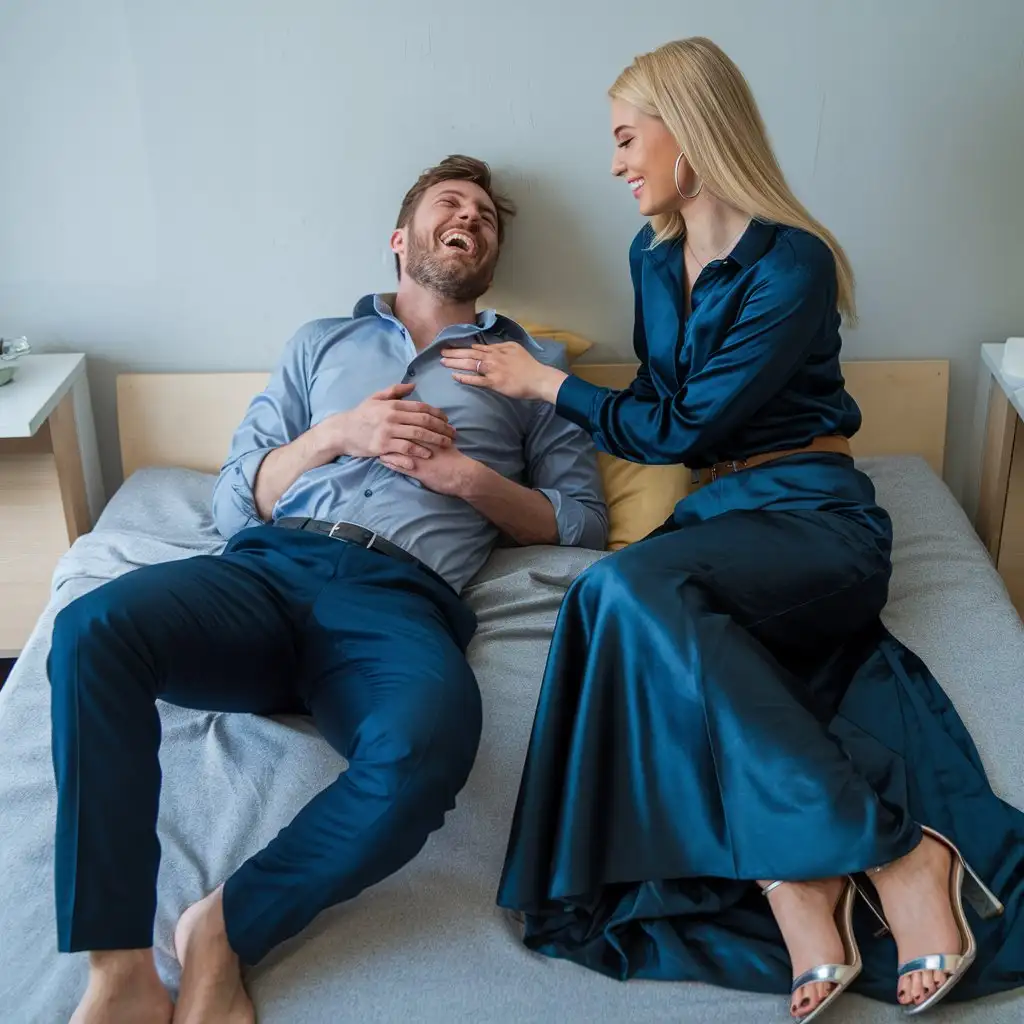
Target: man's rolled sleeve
{"type": "Point", "coordinates": [562, 465]}
{"type": "Point", "coordinates": [234, 504]}
{"type": "Point", "coordinates": [275, 417]}
{"type": "Point", "coordinates": [579, 525]}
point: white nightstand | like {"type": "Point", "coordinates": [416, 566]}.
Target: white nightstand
{"type": "Point", "coordinates": [50, 485]}
{"type": "Point", "coordinates": [1000, 517]}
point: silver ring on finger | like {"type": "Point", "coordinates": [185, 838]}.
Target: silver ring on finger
{"type": "Point", "coordinates": [479, 362]}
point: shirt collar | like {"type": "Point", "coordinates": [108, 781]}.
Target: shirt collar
{"type": "Point", "coordinates": [489, 322]}
{"type": "Point", "coordinates": [753, 243]}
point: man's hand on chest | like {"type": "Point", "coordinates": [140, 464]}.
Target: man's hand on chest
{"type": "Point", "coordinates": [386, 423]}
{"type": "Point", "coordinates": [447, 471]}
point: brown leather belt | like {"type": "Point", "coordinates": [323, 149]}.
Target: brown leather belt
{"type": "Point", "coordinates": [836, 444]}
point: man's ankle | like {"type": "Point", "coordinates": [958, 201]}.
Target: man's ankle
{"type": "Point", "coordinates": [122, 963]}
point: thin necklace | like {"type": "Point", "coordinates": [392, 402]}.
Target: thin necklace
{"type": "Point", "coordinates": [725, 248]}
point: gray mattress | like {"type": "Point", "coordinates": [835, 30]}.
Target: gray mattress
{"type": "Point", "coordinates": [428, 944]}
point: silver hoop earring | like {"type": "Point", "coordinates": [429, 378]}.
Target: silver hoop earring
{"type": "Point", "coordinates": [675, 178]}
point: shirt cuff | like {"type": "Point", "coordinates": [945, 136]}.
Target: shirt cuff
{"type": "Point", "coordinates": [236, 485]}
{"type": "Point", "coordinates": [575, 401]}
{"type": "Point", "coordinates": [568, 515]}
{"type": "Point", "coordinates": [578, 525]}
{"type": "Point", "coordinates": [244, 483]}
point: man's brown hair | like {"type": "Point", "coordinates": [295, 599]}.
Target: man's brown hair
{"type": "Point", "coordinates": [455, 168]}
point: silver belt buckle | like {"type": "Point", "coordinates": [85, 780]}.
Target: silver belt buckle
{"type": "Point", "coordinates": [369, 543]}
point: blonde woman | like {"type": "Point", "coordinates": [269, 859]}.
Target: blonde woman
{"type": "Point", "coordinates": [722, 705]}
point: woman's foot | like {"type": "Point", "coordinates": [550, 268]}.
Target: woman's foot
{"type": "Point", "coordinates": [914, 891]}
{"type": "Point", "coordinates": [124, 988]}
{"type": "Point", "coordinates": [805, 912]}
{"type": "Point", "coordinates": [211, 975]}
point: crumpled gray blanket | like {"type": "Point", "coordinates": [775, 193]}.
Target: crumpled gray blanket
{"type": "Point", "coordinates": [428, 944]}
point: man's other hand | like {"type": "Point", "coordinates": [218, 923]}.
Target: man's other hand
{"type": "Point", "coordinates": [448, 472]}
{"type": "Point", "coordinates": [385, 424]}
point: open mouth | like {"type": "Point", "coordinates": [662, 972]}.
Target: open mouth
{"type": "Point", "coordinates": [636, 185]}
{"type": "Point", "coordinates": [455, 239]}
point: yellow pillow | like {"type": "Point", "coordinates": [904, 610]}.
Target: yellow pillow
{"type": "Point", "coordinates": [639, 498]}
{"type": "Point", "coordinates": [575, 344]}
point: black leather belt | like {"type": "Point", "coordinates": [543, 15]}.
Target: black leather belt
{"type": "Point", "coordinates": [352, 534]}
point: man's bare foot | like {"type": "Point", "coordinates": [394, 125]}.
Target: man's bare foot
{"type": "Point", "coordinates": [211, 978]}
{"type": "Point", "coordinates": [914, 891]}
{"type": "Point", "coordinates": [805, 913]}
{"type": "Point", "coordinates": [124, 988]}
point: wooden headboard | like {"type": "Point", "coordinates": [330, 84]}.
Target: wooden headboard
{"type": "Point", "coordinates": [187, 419]}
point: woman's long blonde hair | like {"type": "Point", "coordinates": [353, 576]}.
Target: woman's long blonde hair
{"type": "Point", "coordinates": [707, 105]}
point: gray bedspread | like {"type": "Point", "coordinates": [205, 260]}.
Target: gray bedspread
{"type": "Point", "coordinates": [428, 944]}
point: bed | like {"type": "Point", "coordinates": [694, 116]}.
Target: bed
{"type": "Point", "coordinates": [428, 944]}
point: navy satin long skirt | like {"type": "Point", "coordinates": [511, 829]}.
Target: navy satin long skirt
{"type": "Point", "coordinates": [722, 703]}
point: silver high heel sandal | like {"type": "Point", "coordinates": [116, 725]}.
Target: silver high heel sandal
{"type": "Point", "coordinates": [964, 884]}
{"type": "Point", "coordinates": [839, 975]}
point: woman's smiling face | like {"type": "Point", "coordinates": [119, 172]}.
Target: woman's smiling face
{"type": "Point", "coordinates": [645, 156]}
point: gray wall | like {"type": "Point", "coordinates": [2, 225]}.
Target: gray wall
{"type": "Point", "coordinates": [182, 184]}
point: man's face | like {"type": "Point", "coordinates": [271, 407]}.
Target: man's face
{"type": "Point", "coordinates": [451, 244]}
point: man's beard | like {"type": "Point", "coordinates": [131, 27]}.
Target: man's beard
{"type": "Point", "coordinates": [453, 278]}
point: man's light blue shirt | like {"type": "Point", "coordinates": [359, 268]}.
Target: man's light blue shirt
{"type": "Point", "coordinates": [330, 366]}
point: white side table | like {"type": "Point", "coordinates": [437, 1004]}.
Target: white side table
{"type": "Point", "coordinates": [50, 485]}
{"type": "Point", "coordinates": [1000, 516]}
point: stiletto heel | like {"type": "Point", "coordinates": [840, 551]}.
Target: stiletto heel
{"type": "Point", "coordinates": [979, 896]}
{"type": "Point", "coordinates": [874, 908]}
{"type": "Point", "coordinates": [839, 975]}
{"type": "Point", "coordinates": [964, 883]}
